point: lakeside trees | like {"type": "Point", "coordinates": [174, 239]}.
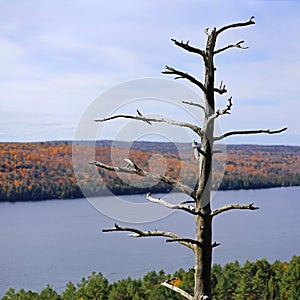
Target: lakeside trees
{"type": "Point", "coordinates": [37, 171]}
{"type": "Point", "coordinates": [258, 280]}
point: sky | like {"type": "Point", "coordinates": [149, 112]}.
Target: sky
{"type": "Point", "coordinates": [58, 56]}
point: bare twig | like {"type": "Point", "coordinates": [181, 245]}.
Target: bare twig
{"type": "Point", "coordinates": [206, 31]}
{"type": "Point", "coordinates": [132, 165]}
{"type": "Point", "coordinates": [127, 169]}
{"type": "Point", "coordinates": [186, 202]}
{"type": "Point", "coordinates": [215, 244]}
{"type": "Point", "coordinates": [250, 22]}
{"type": "Point", "coordinates": [222, 89]}
{"type": "Point", "coordinates": [237, 45]}
{"type": "Point", "coordinates": [194, 242]}
{"type": "Point", "coordinates": [181, 74]}
{"type": "Point", "coordinates": [187, 208]}
{"type": "Point", "coordinates": [232, 206]}
{"type": "Point", "coordinates": [141, 115]}
{"type": "Point", "coordinates": [223, 111]}
{"type": "Point", "coordinates": [155, 120]}
{"type": "Point", "coordinates": [177, 290]}
{"type": "Point", "coordinates": [241, 132]}
{"type": "Point", "coordinates": [141, 233]}
{"type": "Point", "coordinates": [194, 104]}
{"type": "Point", "coordinates": [189, 48]}
{"type": "Point", "coordinates": [134, 169]}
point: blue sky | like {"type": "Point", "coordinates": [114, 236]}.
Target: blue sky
{"type": "Point", "coordinates": [57, 56]}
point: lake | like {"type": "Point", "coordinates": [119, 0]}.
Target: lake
{"type": "Point", "coordinates": [59, 241]}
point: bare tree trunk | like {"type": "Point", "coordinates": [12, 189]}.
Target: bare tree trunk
{"type": "Point", "coordinates": [203, 253]}
{"type": "Point", "coordinates": [203, 256]}
{"type": "Point", "coordinates": [203, 250]}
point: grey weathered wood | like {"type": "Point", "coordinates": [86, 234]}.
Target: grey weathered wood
{"type": "Point", "coordinates": [201, 209]}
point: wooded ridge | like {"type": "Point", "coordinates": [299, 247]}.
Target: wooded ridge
{"type": "Point", "coordinates": [43, 170]}
{"type": "Point", "coordinates": [252, 280]}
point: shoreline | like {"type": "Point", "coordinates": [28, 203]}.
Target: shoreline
{"type": "Point", "coordinates": [143, 193]}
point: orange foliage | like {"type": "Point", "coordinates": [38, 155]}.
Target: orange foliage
{"type": "Point", "coordinates": [44, 170]}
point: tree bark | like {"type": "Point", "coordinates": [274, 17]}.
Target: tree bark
{"type": "Point", "coordinates": [203, 257]}
{"type": "Point", "coordinates": [203, 254]}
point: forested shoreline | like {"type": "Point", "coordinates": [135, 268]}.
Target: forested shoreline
{"type": "Point", "coordinates": [252, 280]}
{"type": "Point", "coordinates": [43, 170]}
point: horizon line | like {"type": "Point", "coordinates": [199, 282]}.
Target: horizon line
{"type": "Point", "coordinates": [139, 141]}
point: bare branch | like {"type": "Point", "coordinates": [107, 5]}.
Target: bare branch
{"type": "Point", "coordinates": [177, 290]}
{"type": "Point", "coordinates": [215, 244]}
{"type": "Point", "coordinates": [194, 104]}
{"type": "Point", "coordinates": [237, 45]}
{"type": "Point", "coordinates": [267, 131]}
{"type": "Point", "coordinates": [141, 233]}
{"type": "Point", "coordinates": [250, 22]}
{"type": "Point", "coordinates": [140, 114]}
{"type": "Point", "coordinates": [154, 119]}
{"type": "Point", "coordinates": [186, 202]}
{"type": "Point", "coordinates": [187, 208]}
{"type": "Point", "coordinates": [132, 165]}
{"type": "Point", "coordinates": [127, 169]}
{"type": "Point", "coordinates": [233, 206]}
{"type": "Point", "coordinates": [223, 111]}
{"type": "Point", "coordinates": [134, 169]}
{"type": "Point", "coordinates": [191, 241]}
{"type": "Point", "coordinates": [180, 75]}
{"type": "Point", "coordinates": [189, 48]}
{"type": "Point", "coordinates": [222, 89]}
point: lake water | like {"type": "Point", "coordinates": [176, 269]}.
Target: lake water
{"type": "Point", "coordinates": [59, 241]}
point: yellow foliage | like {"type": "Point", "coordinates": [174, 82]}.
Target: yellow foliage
{"type": "Point", "coordinates": [285, 266]}
{"type": "Point", "coordinates": [175, 281]}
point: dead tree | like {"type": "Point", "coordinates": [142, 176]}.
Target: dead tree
{"type": "Point", "coordinates": [201, 244]}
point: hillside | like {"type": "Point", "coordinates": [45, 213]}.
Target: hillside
{"type": "Point", "coordinates": [37, 171]}
{"type": "Point", "coordinates": [252, 280]}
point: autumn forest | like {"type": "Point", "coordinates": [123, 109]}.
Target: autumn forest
{"type": "Point", "coordinates": [43, 170]}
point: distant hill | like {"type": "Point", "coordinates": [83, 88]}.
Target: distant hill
{"type": "Point", "coordinates": [43, 170]}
